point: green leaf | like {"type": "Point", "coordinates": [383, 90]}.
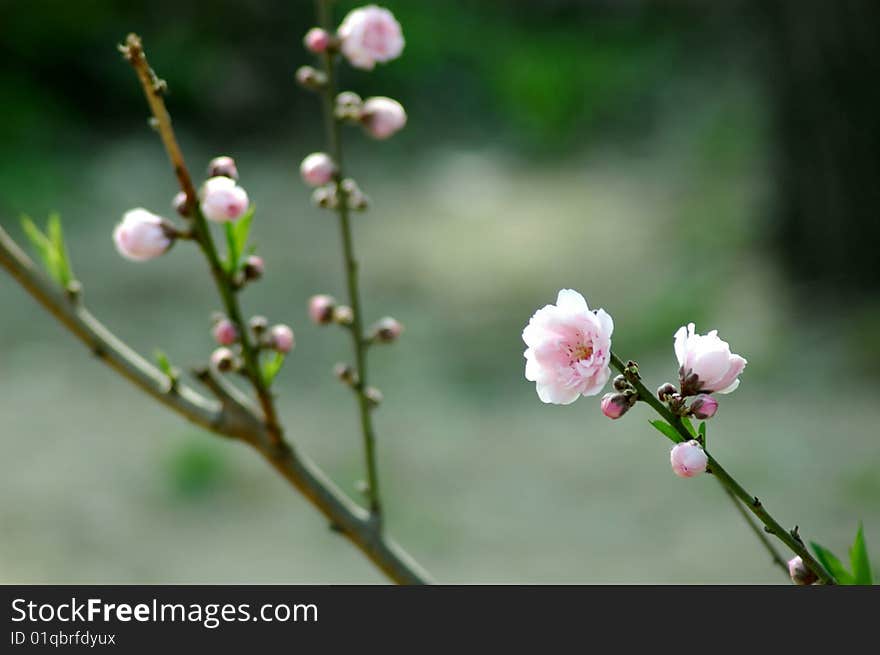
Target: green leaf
{"type": "Point", "coordinates": [236, 239]}
{"type": "Point", "coordinates": [271, 367]}
{"type": "Point", "coordinates": [702, 429]}
{"type": "Point", "coordinates": [165, 366]}
{"type": "Point", "coordinates": [50, 247]}
{"type": "Point", "coordinates": [832, 564]}
{"type": "Point", "coordinates": [858, 557]}
{"type": "Point", "coordinates": [686, 422]}
{"type": "Point", "coordinates": [664, 428]}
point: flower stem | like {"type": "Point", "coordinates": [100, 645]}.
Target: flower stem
{"type": "Point", "coordinates": [153, 88]}
{"type": "Point", "coordinates": [359, 341]}
{"type": "Point", "coordinates": [736, 490]}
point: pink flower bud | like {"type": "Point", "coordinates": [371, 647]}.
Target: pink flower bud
{"type": "Point", "coordinates": [223, 201]}
{"type": "Point", "coordinates": [321, 309]}
{"type": "Point", "coordinates": [225, 333]}
{"type": "Point", "coordinates": [223, 167]}
{"type": "Point", "coordinates": [373, 396]}
{"type": "Point", "coordinates": [316, 40]}
{"type": "Point", "coordinates": [317, 169]}
{"type": "Point", "coordinates": [387, 330]}
{"type": "Point", "coordinates": [281, 338]}
{"type": "Point", "coordinates": [343, 315]}
{"type": "Point", "coordinates": [253, 267]}
{"type": "Point", "coordinates": [223, 359]}
{"type": "Point", "coordinates": [368, 35]}
{"type": "Point", "coordinates": [142, 235]}
{"type": "Point", "coordinates": [180, 205]}
{"type": "Point", "coordinates": [800, 574]}
{"type": "Point", "coordinates": [310, 78]}
{"type": "Point", "coordinates": [704, 406]}
{"type": "Point", "coordinates": [258, 325]}
{"type": "Point", "coordinates": [382, 117]}
{"type": "Point", "coordinates": [614, 405]}
{"type": "Point", "coordinates": [688, 459]}
{"type": "Point", "coordinates": [345, 373]}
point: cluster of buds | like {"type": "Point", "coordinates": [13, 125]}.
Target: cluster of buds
{"type": "Point", "coordinates": [367, 36]}
{"type": "Point", "coordinates": [324, 310]}
{"type": "Point", "coordinates": [703, 406]}
{"type": "Point", "coordinates": [227, 357]}
{"type": "Point", "coordinates": [279, 337]}
{"type": "Point", "coordinates": [617, 403]}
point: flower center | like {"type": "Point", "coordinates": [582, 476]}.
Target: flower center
{"type": "Point", "coordinates": [582, 352]}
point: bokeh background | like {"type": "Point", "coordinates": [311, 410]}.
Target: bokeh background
{"type": "Point", "coordinates": [674, 161]}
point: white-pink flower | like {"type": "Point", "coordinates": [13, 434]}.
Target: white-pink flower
{"type": "Point", "coordinates": [141, 235]}
{"type": "Point", "coordinates": [382, 117]}
{"type": "Point", "coordinates": [317, 169]}
{"type": "Point", "coordinates": [569, 348]}
{"type": "Point", "coordinates": [222, 200]}
{"type": "Point", "coordinates": [709, 359]}
{"type": "Point", "coordinates": [688, 459]}
{"type": "Point", "coordinates": [368, 35]}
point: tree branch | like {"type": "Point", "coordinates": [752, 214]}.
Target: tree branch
{"type": "Point", "coordinates": [359, 341]}
{"type": "Point", "coordinates": [727, 481]}
{"type": "Point", "coordinates": [231, 417]}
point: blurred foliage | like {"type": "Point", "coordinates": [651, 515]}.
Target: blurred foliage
{"type": "Point", "coordinates": [195, 467]}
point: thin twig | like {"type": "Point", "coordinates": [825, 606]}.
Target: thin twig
{"type": "Point", "coordinates": [359, 341]}
{"type": "Point", "coordinates": [728, 482]}
{"type": "Point", "coordinates": [777, 559]}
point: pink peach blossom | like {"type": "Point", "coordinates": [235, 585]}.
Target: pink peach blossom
{"type": "Point", "coordinates": [569, 348]}
{"type": "Point", "coordinates": [222, 200]}
{"type": "Point", "coordinates": [316, 40]}
{"type": "Point", "coordinates": [141, 235]}
{"type": "Point", "coordinates": [224, 332]}
{"type": "Point", "coordinates": [317, 169]}
{"type": "Point", "coordinates": [688, 459]}
{"type": "Point", "coordinates": [281, 338]}
{"type": "Point", "coordinates": [614, 405]}
{"type": "Point", "coordinates": [382, 117]}
{"type": "Point", "coordinates": [709, 359]}
{"type": "Point", "coordinates": [368, 35]}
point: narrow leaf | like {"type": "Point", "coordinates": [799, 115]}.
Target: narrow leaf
{"type": "Point", "coordinates": [686, 422]}
{"type": "Point", "coordinates": [858, 557]}
{"type": "Point", "coordinates": [664, 428]}
{"type": "Point", "coordinates": [40, 242]}
{"type": "Point", "coordinates": [832, 564]}
{"type": "Point", "coordinates": [702, 429]}
{"type": "Point", "coordinates": [271, 367]}
{"type": "Point", "coordinates": [61, 259]}
{"type": "Point", "coordinates": [241, 229]}
{"type": "Point", "coordinates": [231, 251]}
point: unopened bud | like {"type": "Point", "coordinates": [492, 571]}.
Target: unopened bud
{"type": "Point", "coordinates": [180, 204]}
{"type": "Point", "coordinates": [387, 330]}
{"type": "Point", "coordinates": [281, 338]}
{"type": "Point", "coordinates": [310, 78]}
{"type": "Point", "coordinates": [325, 197]}
{"type": "Point", "coordinates": [373, 396]}
{"type": "Point", "coordinates": [704, 406]}
{"type": "Point", "coordinates": [348, 106]}
{"type": "Point", "coordinates": [321, 309]}
{"type": "Point", "coordinates": [343, 315]}
{"type": "Point", "coordinates": [665, 391]}
{"type": "Point", "coordinates": [615, 405]}
{"type": "Point", "coordinates": [222, 200]}
{"type": "Point", "coordinates": [317, 169]}
{"type": "Point", "coordinates": [620, 383]}
{"type": "Point", "coordinates": [142, 235]}
{"type": "Point", "coordinates": [224, 332]}
{"type": "Point", "coordinates": [317, 40]}
{"type": "Point", "coordinates": [382, 117]}
{"type": "Point", "coordinates": [223, 167]}
{"type": "Point", "coordinates": [223, 359]}
{"type": "Point", "coordinates": [345, 373]}
{"type": "Point", "coordinates": [253, 268]}
{"type": "Point", "coordinates": [258, 325]}
{"type": "Point", "coordinates": [800, 574]}
{"type": "Point", "coordinates": [688, 459]}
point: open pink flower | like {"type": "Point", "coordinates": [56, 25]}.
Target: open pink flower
{"type": "Point", "coordinates": [368, 35]}
{"type": "Point", "coordinates": [709, 359]}
{"type": "Point", "coordinates": [569, 348]}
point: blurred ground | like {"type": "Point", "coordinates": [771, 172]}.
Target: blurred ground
{"type": "Point", "coordinates": [483, 483]}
